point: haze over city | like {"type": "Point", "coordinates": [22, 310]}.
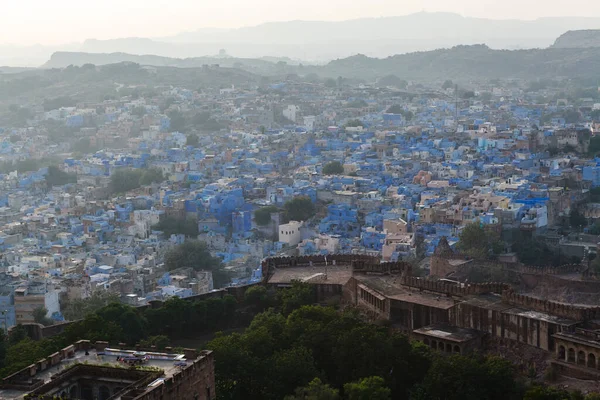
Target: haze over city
{"type": "Point", "coordinates": [67, 21]}
{"type": "Point", "coordinates": [322, 199]}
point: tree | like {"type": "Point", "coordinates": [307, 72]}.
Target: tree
{"type": "Point", "coordinates": [300, 208]}
{"type": "Point", "coordinates": [78, 308]}
{"type": "Point", "coordinates": [39, 316]}
{"type": "Point", "coordinates": [371, 388]}
{"type": "Point", "coordinates": [195, 255]}
{"type": "Point", "coordinates": [333, 168]}
{"type": "Point", "coordinates": [359, 103]}
{"type": "Point", "coordinates": [124, 180]}
{"type": "Point", "coordinates": [176, 226]}
{"type": "Point", "coordinates": [315, 390]}
{"type": "Point", "coordinates": [577, 220]}
{"type": "Point", "coordinates": [57, 177]}
{"type": "Point", "coordinates": [300, 294]}
{"type": "Point", "coordinates": [393, 80]}
{"type": "Point", "coordinates": [478, 242]}
{"type": "Point", "coordinates": [354, 123]}
{"type": "Point", "coordinates": [394, 109]}
{"type": "Point", "coordinates": [258, 297]}
{"type": "Point", "coordinates": [178, 121]}
{"type": "Point", "coordinates": [192, 140]}
{"type": "Point", "coordinates": [448, 84]}
{"type": "Point", "coordinates": [468, 378]}
{"type": "Point", "coordinates": [546, 393]}
{"type": "Point", "coordinates": [139, 111]}
{"type": "Point", "coordinates": [262, 216]}
{"type": "Point", "coordinates": [151, 175]}
{"type": "Point", "coordinates": [330, 83]}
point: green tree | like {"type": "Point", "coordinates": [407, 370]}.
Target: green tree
{"type": "Point", "coordinates": [139, 111]}
{"type": "Point", "coordinates": [176, 226]}
{"type": "Point", "coordinates": [262, 216]}
{"type": "Point", "coordinates": [333, 168]}
{"type": "Point", "coordinates": [78, 308]}
{"type": "Point", "coordinates": [395, 109]}
{"type": "Point", "coordinates": [393, 80]}
{"type": "Point", "coordinates": [354, 123]}
{"type": "Point", "coordinates": [124, 180]}
{"type": "Point", "coordinates": [478, 242]}
{"type": "Point", "coordinates": [315, 390]}
{"type": "Point", "coordinates": [258, 297]}
{"type": "Point", "coordinates": [151, 175]}
{"type": "Point", "coordinates": [468, 378]}
{"type": "Point", "coordinates": [300, 208]}
{"type": "Point", "coordinates": [330, 83]}
{"type": "Point", "coordinates": [159, 341]}
{"type": "Point", "coordinates": [371, 388]}
{"type": "Point", "coordinates": [546, 393]}
{"type": "Point", "coordinates": [576, 219]}
{"type": "Point", "coordinates": [195, 255]}
{"type": "Point", "coordinates": [178, 121]}
{"type": "Point", "coordinates": [448, 84]}
{"type": "Point", "coordinates": [57, 177]}
{"type": "Point", "coordinates": [192, 140]}
{"type": "Point", "coordinates": [300, 294]}
{"type": "Point", "coordinates": [39, 316]}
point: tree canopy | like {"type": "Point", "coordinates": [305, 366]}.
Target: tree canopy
{"type": "Point", "coordinates": [333, 168]}
{"type": "Point", "coordinates": [262, 216]}
{"type": "Point", "coordinates": [57, 177]}
{"type": "Point", "coordinates": [478, 242]}
{"type": "Point", "coordinates": [177, 226]}
{"type": "Point", "coordinates": [195, 255]}
{"type": "Point", "coordinates": [300, 208]}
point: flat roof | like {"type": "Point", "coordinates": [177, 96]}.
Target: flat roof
{"type": "Point", "coordinates": [577, 339]}
{"type": "Point", "coordinates": [106, 358]}
{"type": "Point", "coordinates": [541, 316]}
{"type": "Point", "coordinates": [449, 333]}
{"type": "Point", "coordinates": [391, 287]}
{"type": "Point", "coordinates": [336, 274]}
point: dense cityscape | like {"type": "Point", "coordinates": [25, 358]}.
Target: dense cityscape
{"type": "Point", "coordinates": [374, 238]}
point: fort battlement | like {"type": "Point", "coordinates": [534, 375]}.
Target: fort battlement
{"type": "Point", "coordinates": [318, 260]}
{"type": "Point", "coordinates": [361, 266]}
{"type": "Point", "coordinates": [452, 289]}
{"type": "Point", "coordinates": [270, 264]}
{"type": "Point", "coordinates": [574, 312]}
{"type": "Point", "coordinates": [560, 270]}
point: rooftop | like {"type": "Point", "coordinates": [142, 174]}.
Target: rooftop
{"type": "Point", "coordinates": [166, 364]}
{"type": "Point", "coordinates": [449, 333]}
{"type": "Point", "coordinates": [336, 274]}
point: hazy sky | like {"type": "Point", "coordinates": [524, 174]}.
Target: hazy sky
{"type": "Point", "coordinates": [63, 21]}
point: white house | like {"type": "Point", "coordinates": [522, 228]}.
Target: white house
{"type": "Point", "coordinates": [290, 233]}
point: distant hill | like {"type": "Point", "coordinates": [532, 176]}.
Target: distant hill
{"type": "Point", "coordinates": [322, 41]}
{"type": "Point", "coordinates": [472, 62]}
{"type": "Point", "coordinates": [64, 59]}
{"type": "Point", "coordinates": [578, 39]}
{"type": "Point", "coordinates": [460, 62]}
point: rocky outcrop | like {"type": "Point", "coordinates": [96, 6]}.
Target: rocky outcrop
{"type": "Point", "coordinates": [578, 39]}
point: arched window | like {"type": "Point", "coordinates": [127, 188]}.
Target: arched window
{"type": "Point", "coordinates": [571, 355]}
{"type": "Point", "coordinates": [591, 361]}
{"type": "Point", "coordinates": [73, 392]}
{"type": "Point", "coordinates": [561, 353]}
{"type": "Point", "coordinates": [448, 348]}
{"type": "Point", "coordinates": [103, 393]}
{"type": "Point", "coordinates": [86, 392]}
{"type": "Point", "coordinates": [581, 358]}
{"type": "Point", "coordinates": [426, 342]}
{"type": "Point", "coordinates": [457, 349]}
{"type": "Point", "coordinates": [441, 346]}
